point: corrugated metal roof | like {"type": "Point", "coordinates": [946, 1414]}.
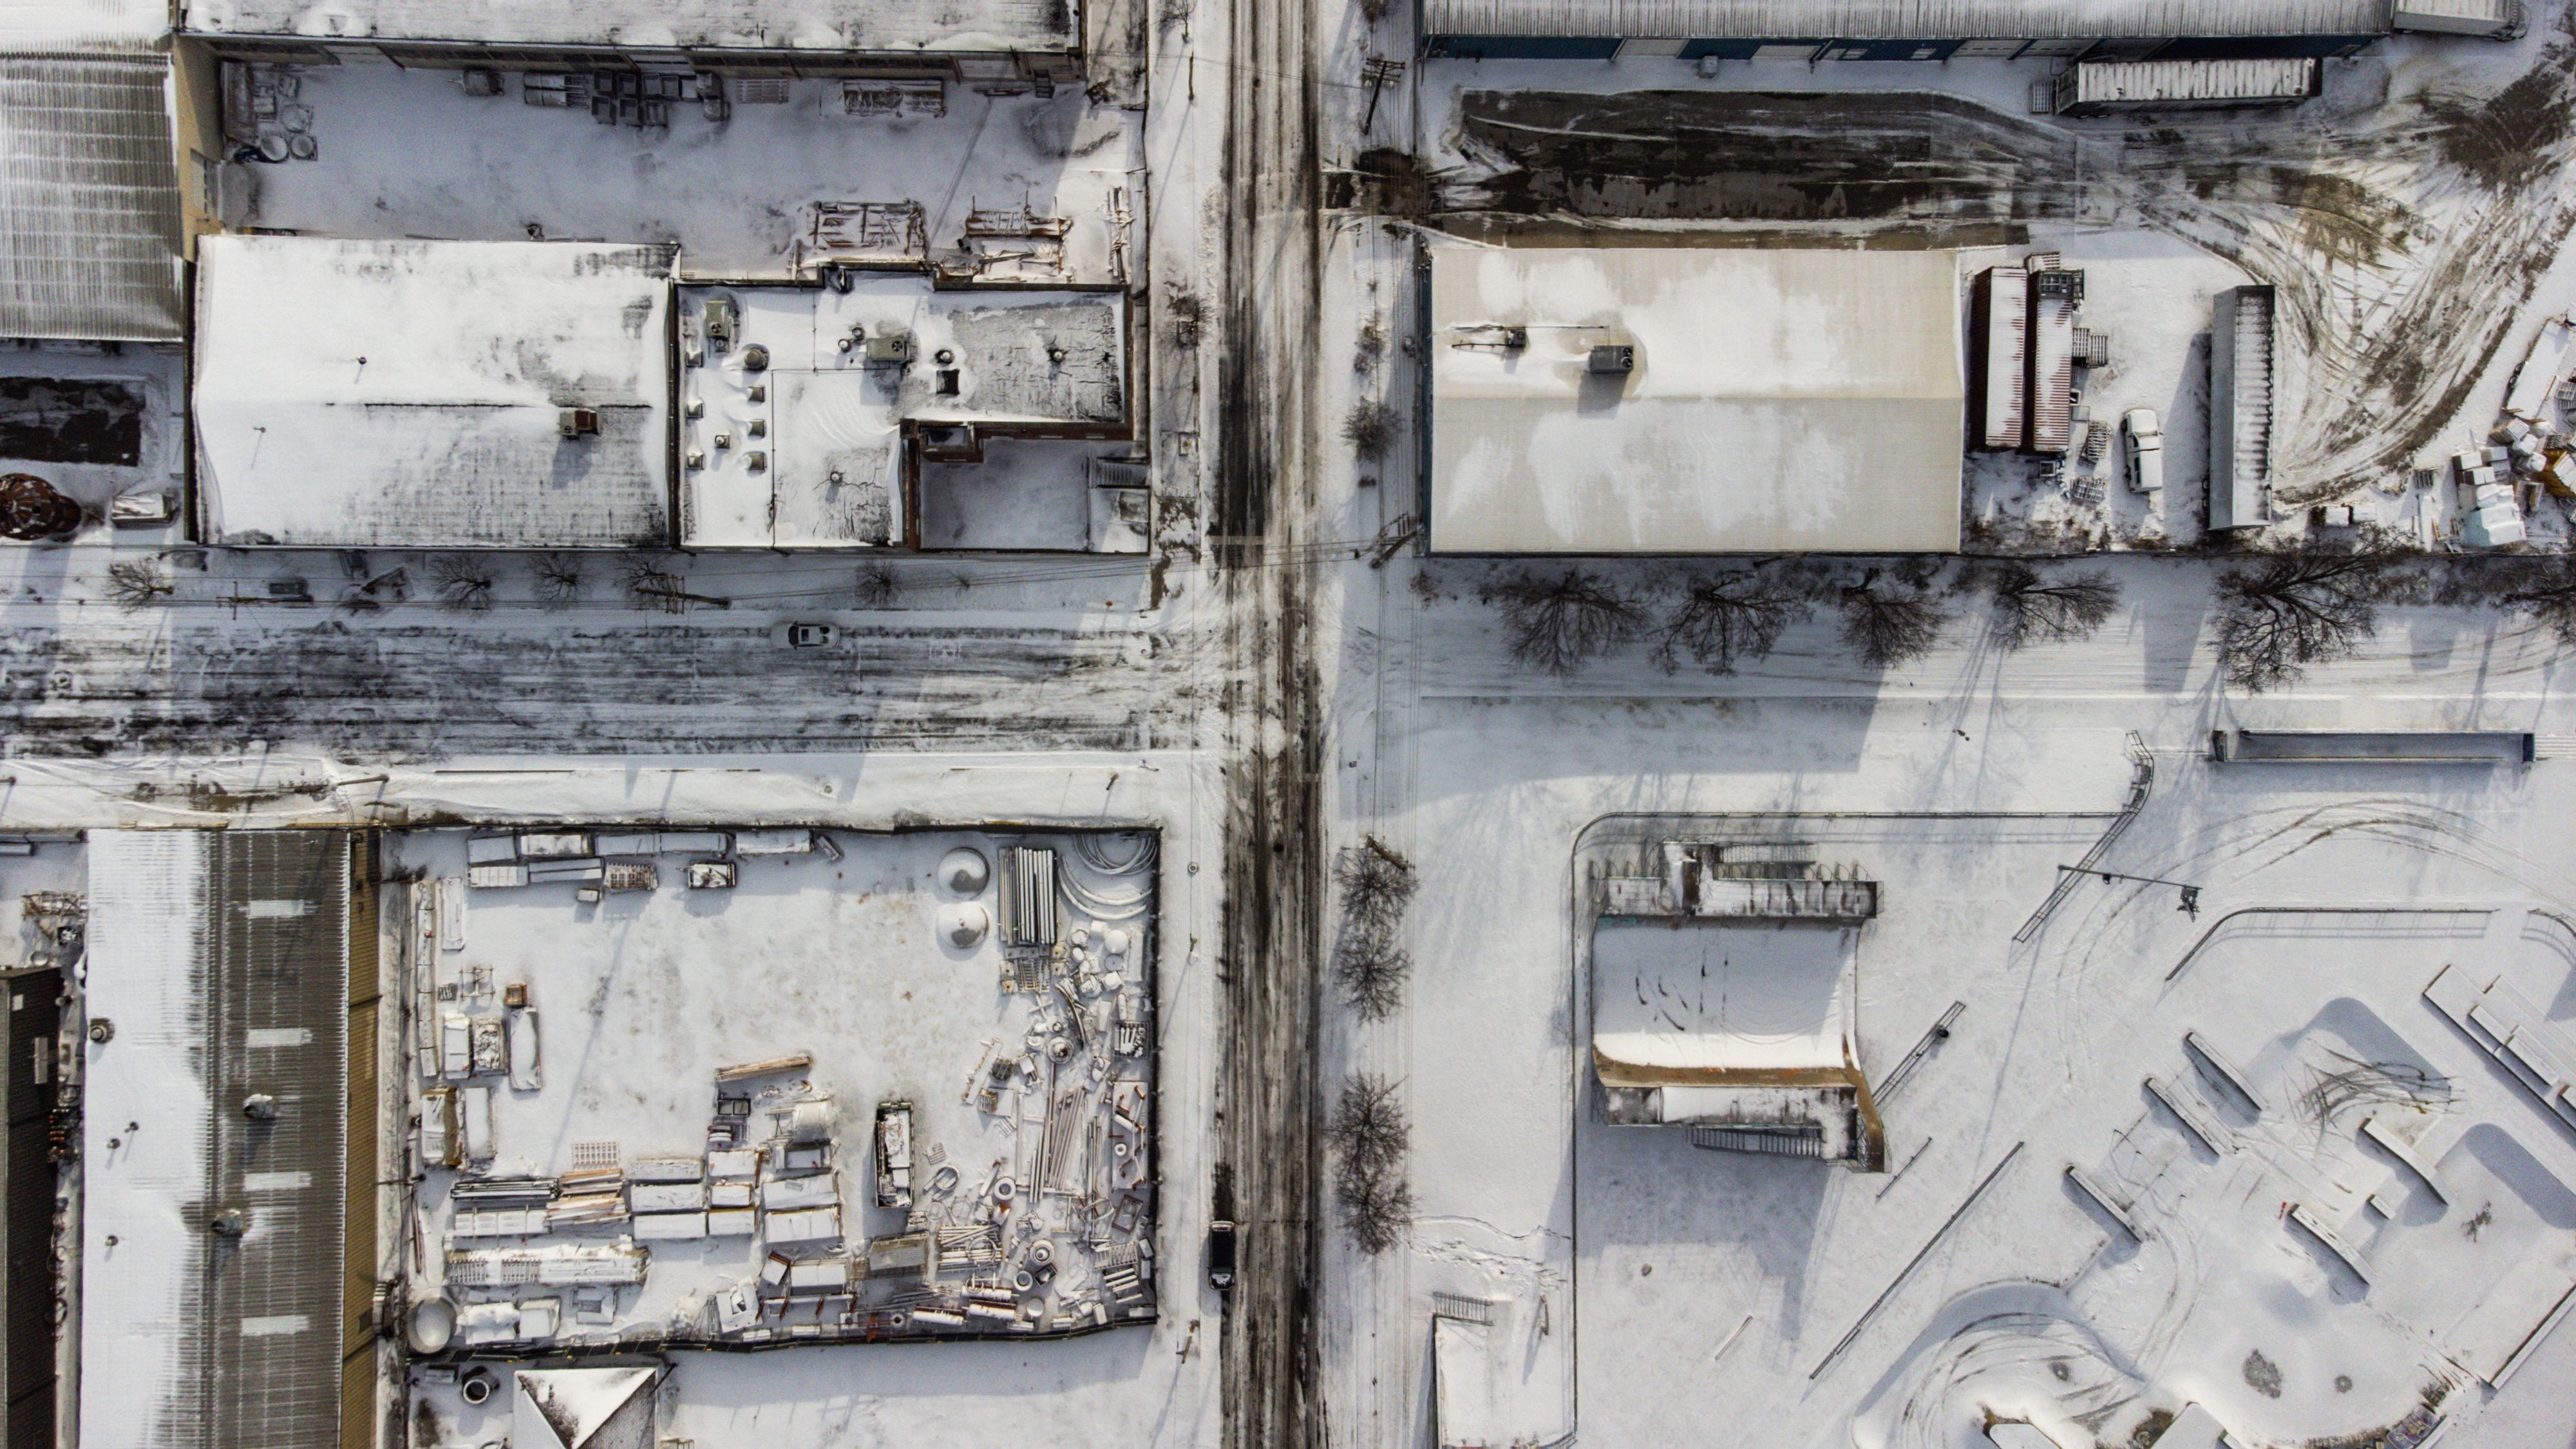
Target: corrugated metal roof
{"type": "Point", "coordinates": [843, 25]}
{"type": "Point", "coordinates": [1903, 19]}
{"type": "Point", "coordinates": [83, 25]}
{"type": "Point", "coordinates": [89, 200]}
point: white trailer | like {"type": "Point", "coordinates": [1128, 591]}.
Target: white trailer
{"type": "Point", "coordinates": [2240, 408]}
{"type": "Point", "coordinates": [2100, 87]}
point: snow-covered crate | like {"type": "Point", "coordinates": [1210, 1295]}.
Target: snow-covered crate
{"type": "Point", "coordinates": [554, 845]}
{"type": "Point", "coordinates": [773, 842]}
{"type": "Point", "coordinates": [670, 1227]}
{"type": "Point", "coordinates": [667, 1197]}
{"type": "Point", "coordinates": [496, 877]}
{"type": "Point", "coordinates": [491, 849]}
{"type": "Point", "coordinates": [666, 1168]}
{"type": "Point", "coordinates": [811, 1225]}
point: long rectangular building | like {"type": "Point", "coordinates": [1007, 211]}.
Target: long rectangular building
{"type": "Point", "coordinates": [227, 1288]}
{"type": "Point", "coordinates": [1899, 29]}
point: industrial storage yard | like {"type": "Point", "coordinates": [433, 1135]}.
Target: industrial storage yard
{"type": "Point", "coordinates": [1456, 723]}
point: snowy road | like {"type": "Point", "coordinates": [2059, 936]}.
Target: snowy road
{"type": "Point", "coordinates": [435, 684]}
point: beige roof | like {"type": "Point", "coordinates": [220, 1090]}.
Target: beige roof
{"type": "Point", "coordinates": [1782, 401]}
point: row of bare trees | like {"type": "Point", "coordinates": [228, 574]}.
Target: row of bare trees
{"type": "Point", "coordinates": [2278, 614]}
{"type": "Point", "coordinates": [1888, 613]}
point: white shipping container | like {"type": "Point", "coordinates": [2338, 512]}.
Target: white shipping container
{"type": "Point", "coordinates": [734, 1164]}
{"type": "Point", "coordinates": [666, 1197]}
{"type": "Point", "coordinates": [2494, 19]}
{"type": "Point", "coordinates": [491, 849]}
{"type": "Point", "coordinates": [797, 1192]}
{"type": "Point", "coordinates": [670, 1227]}
{"type": "Point", "coordinates": [496, 877]}
{"type": "Point", "coordinates": [732, 1223]}
{"type": "Point", "coordinates": [555, 845]}
{"type": "Point", "coordinates": [773, 842]}
{"type": "Point", "coordinates": [810, 1225]}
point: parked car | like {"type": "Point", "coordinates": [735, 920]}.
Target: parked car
{"type": "Point", "coordinates": [1220, 1254]}
{"type": "Point", "coordinates": [805, 636]}
{"type": "Point", "coordinates": [2146, 451]}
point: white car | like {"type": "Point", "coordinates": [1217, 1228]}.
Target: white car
{"type": "Point", "coordinates": [2146, 451]}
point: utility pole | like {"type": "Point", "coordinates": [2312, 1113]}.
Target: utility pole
{"type": "Point", "coordinates": [1377, 72]}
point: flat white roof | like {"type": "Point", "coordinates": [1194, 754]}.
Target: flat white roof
{"type": "Point", "coordinates": [1782, 401]}
{"type": "Point", "coordinates": [820, 25]}
{"type": "Point", "coordinates": [1698, 996]}
{"type": "Point", "coordinates": [408, 394]}
{"type": "Point", "coordinates": [807, 450]}
{"type": "Point", "coordinates": [140, 1320]}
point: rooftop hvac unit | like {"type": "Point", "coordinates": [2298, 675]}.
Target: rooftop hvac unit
{"type": "Point", "coordinates": [578, 422]}
{"type": "Point", "coordinates": [2092, 349]}
{"type": "Point", "coordinates": [1612, 359]}
{"type": "Point", "coordinates": [759, 90]}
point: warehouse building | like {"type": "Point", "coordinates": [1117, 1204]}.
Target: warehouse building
{"type": "Point", "coordinates": [1938, 29]}
{"type": "Point", "coordinates": [966, 40]}
{"type": "Point", "coordinates": [228, 1230]}
{"type": "Point", "coordinates": [411, 394]}
{"type": "Point", "coordinates": [1681, 401]}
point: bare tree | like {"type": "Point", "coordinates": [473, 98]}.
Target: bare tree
{"type": "Point", "coordinates": [1889, 620]}
{"type": "Point", "coordinates": [138, 583]}
{"type": "Point", "coordinates": [1733, 616]}
{"type": "Point", "coordinates": [1370, 428]}
{"type": "Point", "coordinates": [1376, 882]}
{"type": "Point", "coordinates": [558, 577]}
{"type": "Point", "coordinates": [2546, 592]}
{"type": "Point", "coordinates": [2030, 606]}
{"type": "Point", "coordinates": [1560, 623]}
{"type": "Point", "coordinates": [1369, 1138]}
{"type": "Point", "coordinates": [1375, 1210]}
{"type": "Point", "coordinates": [879, 586]}
{"type": "Point", "coordinates": [1372, 967]}
{"type": "Point", "coordinates": [2297, 609]}
{"type": "Point", "coordinates": [461, 581]}
{"type": "Point", "coordinates": [650, 586]}
{"type": "Point", "coordinates": [1368, 1127]}
{"type": "Point", "coordinates": [1369, 959]}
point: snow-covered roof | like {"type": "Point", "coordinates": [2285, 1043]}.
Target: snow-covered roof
{"type": "Point", "coordinates": [1781, 401]}
{"type": "Point", "coordinates": [83, 25]}
{"type": "Point", "coordinates": [1904, 19]}
{"type": "Point", "coordinates": [583, 1408]}
{"type": "Point", "coordinates": [1702, 998]}
{"type": "Point", "coordinates": [816, 458]}
{"type": "Point", "coordinates": [402, 394]}
{"type": "Point", "coordinates": [89, 198]}
{"type": "Point", "coordinates": [820, 25]}
{"type": "Point", "coordinates": [219, 961]}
